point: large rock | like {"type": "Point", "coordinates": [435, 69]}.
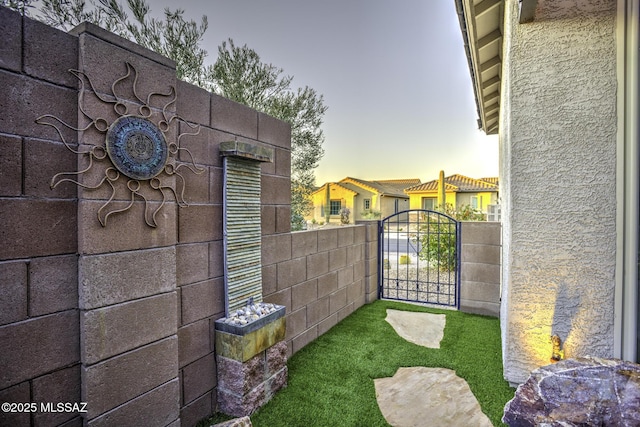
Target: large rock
{"type": "Point", "coordinates": [578, 392]}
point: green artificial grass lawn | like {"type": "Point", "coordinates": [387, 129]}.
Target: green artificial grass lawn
{"type": "Point", "coordinates": [331, 379]}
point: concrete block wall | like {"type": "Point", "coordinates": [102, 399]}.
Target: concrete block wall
{"type": "Point", "coordinates": [480, 267]}
{"type": "Point", "coordinates": [121, 316]}
{"type": "Point", "coordinates": [39, 319]}
{"type": "Point", "coordinates": [321, 276]}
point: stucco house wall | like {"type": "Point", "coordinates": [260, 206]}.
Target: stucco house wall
{"type": "Point", "coordinates": [558, 126]}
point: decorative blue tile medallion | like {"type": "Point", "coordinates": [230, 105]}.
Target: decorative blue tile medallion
{"type": "Point", "coordinates": [136, 147]}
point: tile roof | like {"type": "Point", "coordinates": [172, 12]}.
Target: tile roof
{"type": "Point", "coordinates": [457, 182]}
{"type": "Point", "coordinates": [388, 187]}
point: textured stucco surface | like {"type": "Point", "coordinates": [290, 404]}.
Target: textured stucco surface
{"type": "Point", "coordinates": [558, 158]}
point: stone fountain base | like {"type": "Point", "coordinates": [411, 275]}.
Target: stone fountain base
{"type": "Point", "coordinates": [251, 363]}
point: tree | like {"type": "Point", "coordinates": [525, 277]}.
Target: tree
{"type": "Point", "coordinates": [237, 74]}
{"type": "Point", "coordinates": [240, 75]}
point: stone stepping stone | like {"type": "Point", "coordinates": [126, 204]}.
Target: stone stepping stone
{"type": "Point", "coordinates": [422, 396]}
{"type": "Point", "coordinates": [425, 329]}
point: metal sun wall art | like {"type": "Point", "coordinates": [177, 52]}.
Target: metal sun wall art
{"type": "Point", "coordinates": [136, 145]}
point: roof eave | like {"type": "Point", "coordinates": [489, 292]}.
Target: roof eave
{"type": "Point", "coordinates": [481, 27]}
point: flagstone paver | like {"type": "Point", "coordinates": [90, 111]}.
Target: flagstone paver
{"type": "Point", "coordinates": [425, 329]}
{"type": "Point", "coordinates": [420, 396]}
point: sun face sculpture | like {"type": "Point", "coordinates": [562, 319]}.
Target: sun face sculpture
{"type": "Point", "coordinates": [133, 155]}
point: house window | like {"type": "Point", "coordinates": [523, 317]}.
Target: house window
{"type": "Point", "coordinates": [474, 202]}
{"type": "Point", "coordinates": [335, 207]}
{"type": "Point", "coordinates": [429, 203]}
{"type": "Point", "coordinates": [367, 204]}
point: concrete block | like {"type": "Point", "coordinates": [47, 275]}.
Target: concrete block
{"type": "Point", "coordinates": [480, 307]}
{"type": "Point", "coordinates": [215, 186]}
{"type": "Point", "coordinates": [317, 311]}
{"type": "Point", "coordinates": [276, 248]}
{"type": "Point", "coordinates": [355, 253]}
{"type": "Point", "coordinates": [239, 377]}
{"type": "Point", "coordinates": [59, 386]}
{"type": "Point", "coordinates": [192, 263]}
{"type": "Point", "coordinates": [200, 408]}
{"type": "Point", "coordinates": [38, 346]}
{"type": "Point", "coordinates": [49, 53]}
{"type": "Point", "coordinates": [269, 279]}
{"type": "Point", "coordinates": [276, 190]}
{"type": "Point", "coordinates": [133, 233]}
{"type": "Point", "coordinates": [216, 259]}
{"type": "Point", "coordinates": [11, 36]}
{"type": "Point", "coordinates": [291, 272]}
{"type": "Point", "coordinates": [113, 278]}
{"type": "Point", "coordinates": [346, 236]}
{"type": "Point", "coordinates": [103, 56]}
{"type": "Point", "coordinates": [200, 223]}
{"type": "Point", "coordinates": [304, 243]}
{"type": "Point", "coordinates": [268, 219]}
{"type": "Point", "coordinates": [204, 146]}
{"type": "Point", "coordinates": [193, 103]}
{"type": "Point", "coordinates": [359, 270]}
{"type": "Point", "coordinates": [359, 234]}
{"type": "Point", "coordinates": [26, 99]}
{"type": "Point", "coordinates": [19, 393]}
{"type": "Point", "coordinates": [337, 300]}
{"type": "Point", "coordinates": [337, 258]}
{"type": "Point", "coordinates": [479, 291]}
{"type": "Point", "coordinates": [115, 381]}
{"type": "Point", "coordinates": [345, 276]}
{"type": "Point", "coordinates": [304, 338]}
{"type": "Point", "coordinates": [283, 163]}
{"type": "Point", "coordinates": [327, 239]}
{"type": "Point", "coordinates": [327, 284]}
{"type": "Point", "coordinates": [193, 341]}
{"type": "Point", "coordinates": [304, 293]}
{"type": "Point", "coordinates": [10, 161]}
{"type": "Point", "coordinates": [160, 406]}
{"type": "Point", "coordinates": [274, 131]}
{"type": "Point", "coordinates": [13, 292]}
{"type": "Point", "coordinates": [196, 185]}
{"type": "Point", "coordinates": [317, 264]}
{"type": "Point", "coordinates": [327, 324]}
{"type": "Point", "coordinates": [38, 228]}
{"type": "Point", "coordinates": [472, 272]}
{"type": "Point", "coordinates": [485, 254]}
{"type": "Point", "coordinates": [355, 291]}
{"type": "Point", "coordinates": [232, 117]}
{"type": "Point", "coordinates": [202, 300]}
{"type": "Point", "coordinates": [345, 311]}
{"type": "Point", "coordinates": [53, 284]}
{"type": "Point", "coordinates": [115, 329]}
{"type": "Point", "coordinates": [488, 233]}
{"type": "Point", "coordinates": [198, 378]}
{"type": "Point", "coordinates": [276, 358]}
{"type": "Point", "coordinates": [296, 323]}
{"type": "Point", "coordinates": [283, 218]}
{"type": "Point", "coordinates": [282, 297]}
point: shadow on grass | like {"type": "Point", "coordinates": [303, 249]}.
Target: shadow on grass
{"type": "Point", "coordinates": [331, 379]}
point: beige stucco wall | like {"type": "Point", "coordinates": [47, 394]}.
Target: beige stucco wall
{"type": "Point", "coordinates": [558, 182]}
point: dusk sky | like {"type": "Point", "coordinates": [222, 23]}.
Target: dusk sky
{"type": "Point", "coordinates": [393, 74]}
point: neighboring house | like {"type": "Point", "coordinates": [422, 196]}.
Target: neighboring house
{"type": "Point", "coordinates": [460, 191]}
{"type": "Point", "coordinates": [364, 199]}
{"type": "Point", "coordinates": [558, 81]}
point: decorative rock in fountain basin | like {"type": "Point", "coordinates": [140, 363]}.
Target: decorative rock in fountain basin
{"type": "Point", "coordinates": [578, 392]}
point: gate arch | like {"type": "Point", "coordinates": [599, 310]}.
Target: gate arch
{"type": "Point", "coordinates": [419, 257]}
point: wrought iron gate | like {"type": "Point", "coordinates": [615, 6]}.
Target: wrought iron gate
{"type": "Point", "coordinates": [419, 258]}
